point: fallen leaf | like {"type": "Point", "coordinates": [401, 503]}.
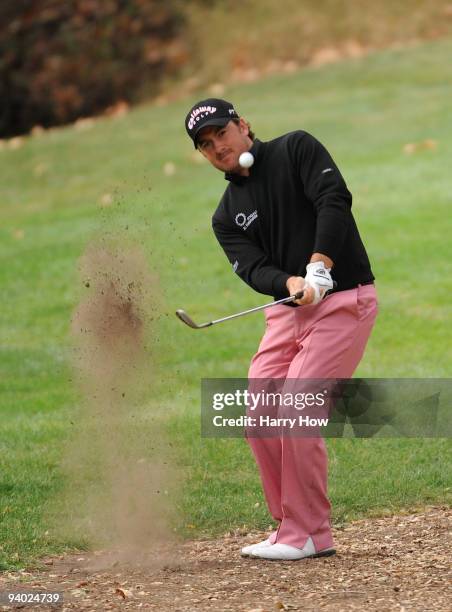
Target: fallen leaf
{"type": "Point", "coordinates": [414, 147]}
{"type": "Point", "coordinates": [84, 123]}
{"type": "Point", "coordinates": [40, 169]}
{"type": "Point", "coordinates": [106, 200]}
{"type": "Point", "coordinates": [327, 55]}
{"type": "Point", "coordinates": [119, 109]}
{"type": "Point", "coordinates": [290, 67]}
{"type": "Point", "coordinates": [430, 144]}
{"type": "Point", "coordinates": [120, 592]}
{"type": "Point", "coordinates": [217, 89]}
{"type": "Point", "coordinates": [169, 169]}
{"type": "Point", "coordinates": [409, 148]}
{"type": "Point", "coordinates": [16, 142]}
{"type": "Point", "coordinates": [197, 158]}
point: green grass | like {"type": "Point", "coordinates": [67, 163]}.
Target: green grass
{"type": "Point", "coordinates": [365, 111]}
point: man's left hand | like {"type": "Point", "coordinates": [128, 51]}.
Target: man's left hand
{"type": "Point", "coordinates": [319, 278]}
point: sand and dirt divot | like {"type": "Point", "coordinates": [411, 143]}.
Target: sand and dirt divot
{"type": "Point", "coordinates": [117, 463]}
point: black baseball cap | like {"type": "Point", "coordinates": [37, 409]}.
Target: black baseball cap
{"type": "Point", "coordinates": [212, 111]}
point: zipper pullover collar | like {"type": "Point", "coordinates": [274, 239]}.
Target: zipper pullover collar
{"type": "Point", "coordinates": [256, 152]}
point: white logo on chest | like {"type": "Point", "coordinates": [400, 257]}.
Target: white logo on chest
{"type": "Point", "coordinates": [244, 221]}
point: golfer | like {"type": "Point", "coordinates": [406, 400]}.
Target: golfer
{"type": "Point", "coordinates": [285, 225]}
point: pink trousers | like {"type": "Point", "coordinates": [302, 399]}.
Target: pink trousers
{"type": "Point", "coordinates": [325, 340]}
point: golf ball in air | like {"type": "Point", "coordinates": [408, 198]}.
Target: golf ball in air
{"type": "Point", "coordinates": [246, 160]}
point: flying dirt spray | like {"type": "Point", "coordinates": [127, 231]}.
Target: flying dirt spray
{"type": "Point", "coordinates": [117, 464]}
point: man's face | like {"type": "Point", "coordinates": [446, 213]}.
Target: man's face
{"type": "Point", "coordinates": [222, 146]}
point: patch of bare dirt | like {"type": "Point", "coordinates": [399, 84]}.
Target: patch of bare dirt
{"type": "Point", "coordinates": [395, 563]}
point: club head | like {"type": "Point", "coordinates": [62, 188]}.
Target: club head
{"type": "Point", "coordinates": [183, 316]}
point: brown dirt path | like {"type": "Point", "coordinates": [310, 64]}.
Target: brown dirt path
{"type": "Point", "coordinates": [395, 563]}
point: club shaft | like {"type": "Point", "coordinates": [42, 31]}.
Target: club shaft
{"type": "Point", "coordinates": [291, 298]}
{"type": "Point", "coordinates": [185, 318]}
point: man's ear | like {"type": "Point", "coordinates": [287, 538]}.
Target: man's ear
{"type": "Point", "coordinates": [244, 128]}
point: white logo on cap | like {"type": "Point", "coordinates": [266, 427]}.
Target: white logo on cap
{"type": "Point", "coordinates": [199, 113]}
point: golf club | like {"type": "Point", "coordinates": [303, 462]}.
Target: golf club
{"type": "Point", "coordinates": [183, 316]}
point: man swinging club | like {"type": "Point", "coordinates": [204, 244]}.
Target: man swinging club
{"type": "Point", "coordinates": [285, 224]}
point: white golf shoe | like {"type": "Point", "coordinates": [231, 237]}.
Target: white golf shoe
{"type": "Point", "coordinates": [284, 552]}
{"type": "Point", "coordinates": [247, 550]}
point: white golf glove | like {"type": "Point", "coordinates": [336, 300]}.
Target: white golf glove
{"type": "Point", "coordinates": [319, 278]}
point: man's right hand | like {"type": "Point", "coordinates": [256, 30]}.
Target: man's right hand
{"type": "Point", "coordinates": [295, 284]}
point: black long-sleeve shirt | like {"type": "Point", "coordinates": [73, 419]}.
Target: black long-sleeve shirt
{"type": "Point", "coordinates": [294, 203]}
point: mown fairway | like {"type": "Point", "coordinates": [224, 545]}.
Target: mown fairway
{"type": "Point", "coordinates": [55, 200]}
